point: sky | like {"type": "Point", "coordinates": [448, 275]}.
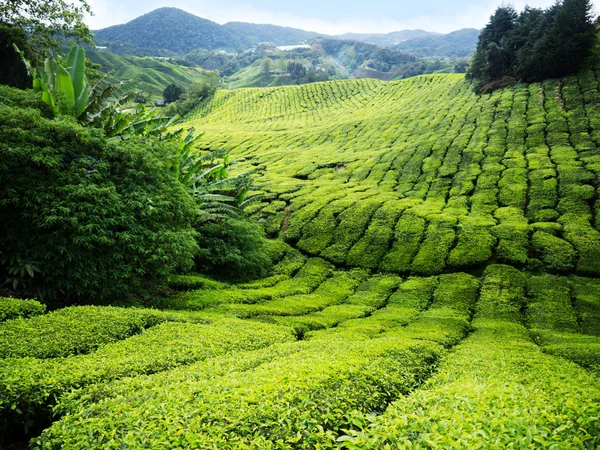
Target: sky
{"type": "Point", "coordinates": [322, 16]}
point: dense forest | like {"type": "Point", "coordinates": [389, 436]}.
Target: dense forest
{"type": "Point", "coordinates": [349, 264]}
{"type": "Point", "coordinates": [535, 44]}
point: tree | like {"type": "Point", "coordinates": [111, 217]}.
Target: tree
{"type": "Point", "coordinates": [560, 42]}
{"type": "Point", "coordinates": [493, 55]}
{"type": "Point", "coordinates": [534, 45]}
{"type": "Point", "coordinates": [296, 70]}
{"type": "Point", "coordinates": [172, 93]}
{"type": "Point", "coordinates": [48, 22]}
{"type": "Point", "coordinates": [266, 66]}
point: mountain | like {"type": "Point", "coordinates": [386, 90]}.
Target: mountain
{"type": "Point", "coordinates": [385, 40]}
{"type": "Point", "coordinates": [168, 31]}
{"type": "Point", "coordinates": [258, 33]}
{"type": "Point", "coordinates": [173, 30]}
{"type": "Point", "coordinates": [458, 44]}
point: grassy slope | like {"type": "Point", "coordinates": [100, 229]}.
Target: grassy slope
{"type": "Point", "coordinates": [155, 75]}
{"type": "Point", "coordinates": [415, 178]}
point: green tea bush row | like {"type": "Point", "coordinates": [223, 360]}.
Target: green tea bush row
{"type": "Point", "coordinates": [332, 291]}
{"type": "Point", "coordinates": [311, 275]}
{"type": "Point", "coordinates": [13, 308]}
{"type": "Point", "coordinates": [29, 387]}
{"type": "Point", "coordinates": [73, 330]}
{"type": "Point", "coordinates": [549, 306]}
{"type": "Point", "coordinates": [496, 388]}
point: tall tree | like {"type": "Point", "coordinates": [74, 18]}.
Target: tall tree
{"type": "Point", "coordinates": [567, 40]}
{"type": "Point", "coordinates": [48, 21]}
{"type": "Point", "coordinates": [493, 56]}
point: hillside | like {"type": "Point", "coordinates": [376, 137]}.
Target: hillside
{"type": "Point", "coordinates": [173, 30]}
{"type": "Point", "coordinates": [423, 176]}
{"type": "Point", "coordinates": [154, 75]}
{"type": "Point", "coordinates": [258, 33]}
{"type": "Point", "coordinates": [436, 285]}
{"type": "Point", "coordinates": [384, 39]}
{"type": "Point", "coordinates": [458, 44]}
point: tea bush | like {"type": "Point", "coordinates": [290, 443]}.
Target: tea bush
{"type": "Point", "coordinates": [13, 308]}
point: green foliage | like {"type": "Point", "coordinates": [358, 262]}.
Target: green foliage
{"type": "Point", "coordinates": [30, 387]}
{"type": "Point", "coordinates": [13, 72]}
{"type": "Point", "coordinates": [535, 44]}
{"type": "Point", "coordinates": [496, 385]}
{"type": "Point", "coordinates": [307, 279]}
{"type": "Point", "coordinates": [14, 308]}
{"type": "Point", "coordinates": [99, 221]}
{"type": "Point", "coordinates": [172, 93]}
{"type": "Point", "coordinates": [233, 249]}
{"type": "Point", "coordinates": [330, 380]}
{"type": "Point", "coordinates": [554, 252]}
{"type": "Point", "coordinates": [49, 23]}
{"type": "Point", "coordinates": [195, 94]}
{"type": "Point", "coordinates": [74, 330]}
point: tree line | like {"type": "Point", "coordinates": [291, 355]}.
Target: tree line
{"type": "Point", "coordinates": [533, 45]}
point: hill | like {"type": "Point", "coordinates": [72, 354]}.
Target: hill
{"type": "Point", "coordinates": [154, 75]}
{"type": "Point", "coordinates": [509, 178]}
{"type": "Point", "coordinates": [458, 44]}
{"type": "Point", "coordinates": [272, 34]}
{"type": "Point", "coordinates": [436, 284]}
{"type": "Point", "coordinates": [167, 31]}
{"type": "Point", "coordinates": [173, 30]}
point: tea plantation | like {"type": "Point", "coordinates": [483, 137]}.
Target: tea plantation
{"type": "Point", "coordinates": [437, 285]}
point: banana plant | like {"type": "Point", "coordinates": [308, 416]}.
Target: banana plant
{"type": "Point", "coordinates": [206, 176]}
{"type": "Point", "coordinates": [65, 78]}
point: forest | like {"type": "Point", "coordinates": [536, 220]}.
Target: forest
{"type": "Point", "coordinates": [345, 264]}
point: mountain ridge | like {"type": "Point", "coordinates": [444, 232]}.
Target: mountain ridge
{"type": "Point", "coordinates": [176, 31]}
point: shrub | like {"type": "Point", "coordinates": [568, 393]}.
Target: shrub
{"type": "Point", "coordinates": [12, 308]}
{"type": "Point", "coordinates": [233, 249]}
{"type": "Point", "coordinates": [69, 331]}
{"type": "Point", "coordinates": [98, 221]}
{"type": "Point", "coordinates": [554, 252]}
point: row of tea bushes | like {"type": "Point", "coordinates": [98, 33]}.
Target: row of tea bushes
{"type": "Point", "coordinates": [73, 330]}
{"type": "Point", "coordinates": [496, 390]}
{"type": "Point", "coordinates": [30, 387]}
{"type": "Point", "coordinates": [307, 279]}
{"type": "Point", "coordinates": [13, 308]}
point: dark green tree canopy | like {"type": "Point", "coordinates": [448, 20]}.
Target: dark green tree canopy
{"type": "Point", "coordinates": [48, 21]}
{"type": "Point", "coordinates": [535, 44]}
{"type": "Point", "coordinates": [172, 93]}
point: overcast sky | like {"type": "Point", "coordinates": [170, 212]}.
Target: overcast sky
{"type": "Point", "coordinates": [323, 16]}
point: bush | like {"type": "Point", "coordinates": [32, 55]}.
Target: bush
{"type": "Point", "coordinates": [233, 249]}
{"type": "Point", "coordinates": [70, 331]}
{"type": "Point", "coordinates": [12, 308]}
{"type": "Point", "coordinates": [96, 220]}
{"type": "Point", "coordinates": [555, 253]}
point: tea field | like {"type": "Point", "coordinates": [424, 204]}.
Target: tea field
{"type": "Point", "coordinates": [437, 285]}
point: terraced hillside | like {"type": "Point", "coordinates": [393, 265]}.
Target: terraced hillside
{"type": "Point", "coordinates": [436, 286]}
{"type": "Point", "coordinates": [422, 176]}
{"type": "Point", "coordinates": [153, 75]}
